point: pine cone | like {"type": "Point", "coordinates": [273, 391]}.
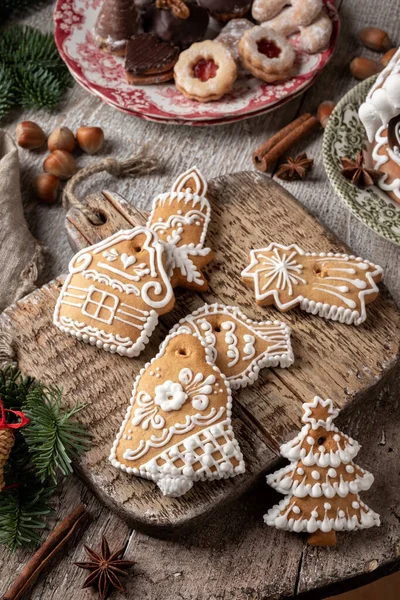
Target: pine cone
{"type": "Point", "coordinates": [7, 439]}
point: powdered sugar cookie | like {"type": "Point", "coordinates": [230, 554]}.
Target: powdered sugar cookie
{"type": "Point", "coordinates": [239, 346]}
{"type": "Point", "coordinates": [300, 13]}
{"type": "Point", "coordinates": [177, 429]}
{"type": "Point", "coordinates": [180, 218]}
{"type": "Point", "coordinates": [321, 483]}
{"type": "Point", "coordinates": [315, 37]}
{"type": "Point", "coordinates": [263, 10]}
{"type": "Point", "coordinates": [205, 72]}
{"type": "Point", "coordinates": [333, 286]}
{"type": "Point", "coordinates": [266, 54]}
{"type": "Point", "coordinates": [231, 35]}
{"type": "Point", "coordinates": [115, 291]}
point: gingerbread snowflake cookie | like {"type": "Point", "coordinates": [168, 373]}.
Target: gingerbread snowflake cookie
{"type": "Point", "coordinates": [321, 483]}
{"type": "Point", "coordinates": [180, 218]}
{"type": "Point", "coordinates": [333, 286]}
{"type": "Point", "coordinates": [177, 429]}
{"type": "Point", "coordinates": [239, 346]}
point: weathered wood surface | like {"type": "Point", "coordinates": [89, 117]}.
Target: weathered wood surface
{"type": "Point", "coordinates": [256, 562]}
{"type": "Point", "coordinates": [347, 363]}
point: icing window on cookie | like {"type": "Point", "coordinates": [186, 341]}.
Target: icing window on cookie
{"type": "Point", "coordinates": [394, 133]}
{"type": "Point", "coordinates": [100, 305]}
{"type": "Point", "coordinates": [205, 69]}
{"type": "Point", "coordinates": [268, 48]}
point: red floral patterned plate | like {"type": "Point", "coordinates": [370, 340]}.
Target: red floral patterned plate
{"type": "Point", "coordinates": [103, 75]}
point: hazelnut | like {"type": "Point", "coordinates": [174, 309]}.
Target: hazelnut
{"type": "Point", "coordinates": [375, 39]}
{"type": "Point", "coordinates": [90, 139]}
{"type": "Point", "coordinates": [362, 68]}
{"type": "Point", "coordinates": [324, 112]}
{"type": "Point", "coordinates": [61, 138]}
{"type": "Point", "coordinates": [387, 57]}
{"type": "Point", "coordinates": [29, 135]}
{"type": "Point", "coordinates": [46, 187]}
{"type": "Point", "coordinates": [60, 163]}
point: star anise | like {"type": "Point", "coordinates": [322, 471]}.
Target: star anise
{"type": "Point", "coordinates": [295, 168]}
{"type": "Point", "coordinates": [105, 569]}
{"type": "Point", "coordinates": [358, 173]}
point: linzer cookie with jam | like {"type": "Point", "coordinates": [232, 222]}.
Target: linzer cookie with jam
{"type": "Point", "coordinates": [267, 54]}
{"type": "Point", "coordinates": [333, 286]}
{"type": "Point", "coordinates": [205, 72]}
{"type": "Point", "coordinates": [178, 428]}
{"type": "Point", "coordinates": [116, 23]}
{"type": "Point", "coordinates": [148, 60]}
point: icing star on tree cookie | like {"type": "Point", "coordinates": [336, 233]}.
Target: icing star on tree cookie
{"type": "Point", "coordinates": [322, 483]}
{"type": "Point", "coordinates": [333, 286]}
{"type": "Point", "coordinates": [239, 346]}
{"type": "Point", "coordinates": [177, 429]}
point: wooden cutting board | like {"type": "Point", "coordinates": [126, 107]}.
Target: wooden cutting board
{"type": "Point", "coordinates": [349, 364]}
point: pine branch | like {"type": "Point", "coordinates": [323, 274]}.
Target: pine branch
{"type": "Point", "coordinates": [21, 514]}
{"type": "Point", "coordinates": [14, 388]}
{"type": "Point", "coordinates": [53, 437]}
{"type": "Point", "coordinates": [32, 73]}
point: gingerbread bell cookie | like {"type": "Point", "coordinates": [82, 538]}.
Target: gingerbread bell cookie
{"type": "Point", "coordinates": [333, 286]}
{"type": "Point", "coordinates": [239, 346]}
{"type": "Point", "coordinates": [177, 429]}
{"type": "Point", "coordinates": [321, 483]}
{"type": "Point", "coordinates": [180, 218]}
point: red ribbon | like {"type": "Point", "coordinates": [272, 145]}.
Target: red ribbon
{"type": "Point", "coordinates": [3, 420]}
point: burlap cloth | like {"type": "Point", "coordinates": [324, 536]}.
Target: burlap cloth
{"type": "Point", "coordinates": [21, 256]}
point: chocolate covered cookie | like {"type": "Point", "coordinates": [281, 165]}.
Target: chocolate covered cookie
{"type": "Point", "coordinates": [148, 60]}
{"type": "Point", "coordinates": [175, 25]}
{"type": "Point", "coordinates": [225, 10]}
{"type": "Point", "coordinates": [116, 23]}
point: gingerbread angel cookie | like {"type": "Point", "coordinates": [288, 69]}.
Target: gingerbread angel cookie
{"type": "Point", "coordinates": [333, 286]}
{"type": "Point", "coordinates": [239, 346]}
{"type": "Point", "coordinates": [177, 429]}
{"type": "Point", "coordinates": [322, 483]}
{"type": "Point", "coordinates": [180, 218]}
{"type": "Point", "coordinates": [115, 292]}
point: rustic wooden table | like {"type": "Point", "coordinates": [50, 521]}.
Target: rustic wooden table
{"type": "Point", "coordinates": [234, 556]}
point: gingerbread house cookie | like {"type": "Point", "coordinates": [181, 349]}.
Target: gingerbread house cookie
{"type": "Point", "coordinates": [115, 291]}
{"type": "Point", "coordinates": [239, 346]}
{"type": "Point", "coordinates": [380, 115]}
{"type": "Point", "coordinates": [333, 286]}
{"type": "Point", "coordinates": [177, 429]}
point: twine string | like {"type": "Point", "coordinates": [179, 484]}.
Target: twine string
{"type": "Point", "coordinates": [138, 164]}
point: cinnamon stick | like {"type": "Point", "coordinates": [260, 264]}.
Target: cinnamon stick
{"type": "Point", "coordinates": [53, 544]}
{"type": "Point", "coordinates": [283, 140]}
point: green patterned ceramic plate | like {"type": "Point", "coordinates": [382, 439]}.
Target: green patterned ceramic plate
{"type": "Point", "coordinates": [345, 136]}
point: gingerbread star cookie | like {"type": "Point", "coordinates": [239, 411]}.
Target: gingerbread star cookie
{"type": "Point", "coordinates": [115, 291]}
{"type": "Point", "coordinates": [333, 286]}
{"type": "Point", "coordinates": [180, 218]}
{"type": "Point", "coordinates": [177, 429]}
{"type": "Point", "coordinates": [239, 346]}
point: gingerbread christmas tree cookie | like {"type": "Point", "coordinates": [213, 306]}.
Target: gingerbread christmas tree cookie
{"type": "Point", "coordinates": [239, 346]}
{"type": "Point", "coordinates": [115, 292]}
{"type": "Point", "coordinates": [177, 429]}
{"type": "Point", "coordinates": [333, 286]}
{"type": "Point", "coordinates": [180, 218]}
{"type": "Point", "coordinates": [322, 483]}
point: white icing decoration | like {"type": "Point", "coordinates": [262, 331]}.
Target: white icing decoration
{"type": "Point", "coordinates": [380, 158]}
{"type": "Point", "coordinates": [231, 340]}
{"type": "Point", "coordinates": [212, 448]}
{"type": "Point", "coordinates": [105, 306]}
{"type": "Point", "coordinates": [284, 274]}
{"type": "Point", "coordinates": [277, 334]}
